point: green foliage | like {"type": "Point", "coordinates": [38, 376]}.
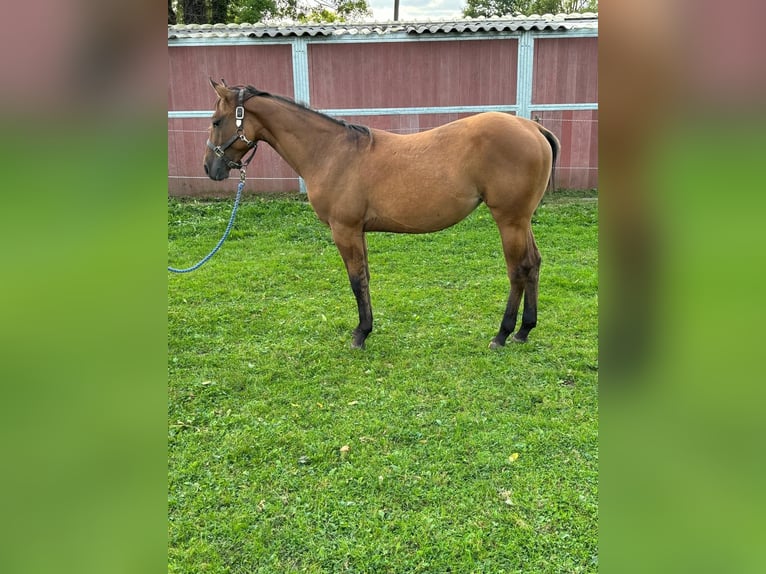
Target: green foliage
{"type": "Point", "coordinates": [489, 8]}
{"type": "Point", "coordinates": [427, 452]}
{"type": "Point", "coordinates": [334, 11]}
{"type": "Point", "coordinates": [252, 11]}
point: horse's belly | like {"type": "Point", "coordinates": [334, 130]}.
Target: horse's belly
{"type": "Point", "coordinates": [420, 216]}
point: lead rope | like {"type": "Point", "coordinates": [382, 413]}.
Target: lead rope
{"type": "Point", "coordinates": [225, 233]}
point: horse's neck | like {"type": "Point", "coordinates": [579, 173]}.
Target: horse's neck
{"type": "Point", "coordinates": [294, 133]}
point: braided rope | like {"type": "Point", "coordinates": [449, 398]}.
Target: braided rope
{"type": "Point", "coordinates": [225, 233]}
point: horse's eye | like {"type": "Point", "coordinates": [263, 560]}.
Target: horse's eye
{"type": "Point", "coordinates": [216, 123]}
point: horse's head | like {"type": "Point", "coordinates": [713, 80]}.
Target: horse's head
{"type": "Point", "coordinates": [228, 139]}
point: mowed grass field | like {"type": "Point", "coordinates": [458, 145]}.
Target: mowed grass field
{"type": "Point", "coordinates": [425, 452]}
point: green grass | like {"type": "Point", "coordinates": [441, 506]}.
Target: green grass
{"type": "Point", "coordinates": [426, 452]}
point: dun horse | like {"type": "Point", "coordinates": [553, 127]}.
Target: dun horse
{"type": "Point", "coordinates": [360, 179]}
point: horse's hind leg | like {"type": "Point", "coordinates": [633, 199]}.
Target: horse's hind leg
{"type": "Point", "coordinates": [523, 262]}
{"type": "Point", "coordinates": [531, 289]}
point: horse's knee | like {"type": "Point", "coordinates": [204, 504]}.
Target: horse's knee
{"type": "Point", "coordinates": [525, 270]}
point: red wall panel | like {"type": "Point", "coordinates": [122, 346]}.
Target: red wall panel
{"type": "Point", "coordinates": [268, 68]}
{"type": "Point", "coordinates": [565, 71]}
{"type": "Point", "coordinates": [413, 74]}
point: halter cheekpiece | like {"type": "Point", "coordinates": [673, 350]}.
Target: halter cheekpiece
{"type": "Point", "coordinates": [239, 116]}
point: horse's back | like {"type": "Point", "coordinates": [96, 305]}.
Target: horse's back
{"type": "Point", "coordinates": [487, 140]}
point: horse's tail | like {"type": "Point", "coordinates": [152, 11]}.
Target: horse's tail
{"type": "Point", "coordinates": [556, 150]}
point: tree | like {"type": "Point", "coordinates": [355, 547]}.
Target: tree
{"type": "Point", "coordinates": [575, 6]}
{"type": "Point", "coordinates": [252, 11]}
{"type": "Point", "coordinates": [218, 11]}
{"type": "Point", "coordinates": [194, 11]}
{"type": "Point", "coordinates": [325, 10]}
{"type": "Point", "coordinates": [489, 8]}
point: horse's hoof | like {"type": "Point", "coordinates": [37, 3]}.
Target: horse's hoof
{"type": "Point", "coordinates": [495, 344]}
{"type": "Point", "coordinates": [517, 339]}
{"type": "Point", "coordinates": [357, 345]}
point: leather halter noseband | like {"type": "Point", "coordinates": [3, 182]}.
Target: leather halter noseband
{"type": "Point", "coordinates": [239, 115]}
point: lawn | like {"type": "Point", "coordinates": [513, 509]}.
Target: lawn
{"type": "Point", "coordinates": [425, 452]}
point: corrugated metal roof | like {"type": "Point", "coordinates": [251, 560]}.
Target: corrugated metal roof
{"type": "Point", "coordinates": [554, 22]}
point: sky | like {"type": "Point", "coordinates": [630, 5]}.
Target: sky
{"type": "Point", "coordinates": [383, 10]}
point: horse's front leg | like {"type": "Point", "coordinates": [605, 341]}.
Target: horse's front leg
{"type": "Point", "coordinates": [352, 246]}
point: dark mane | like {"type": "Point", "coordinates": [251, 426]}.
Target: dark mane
{"type": "Point", "coordinates": [356, 131]}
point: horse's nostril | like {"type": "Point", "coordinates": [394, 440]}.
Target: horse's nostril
{"type": "Point", "coordinates": [207, 171]}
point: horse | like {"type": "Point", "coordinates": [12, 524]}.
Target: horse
{"type": "Point", "coordinates": [360, 180]}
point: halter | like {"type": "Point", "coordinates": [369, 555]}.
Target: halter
{"type": "Point", "coordinates": [239, 115]}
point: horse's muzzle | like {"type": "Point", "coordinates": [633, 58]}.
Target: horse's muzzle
{"type": "Point", "coordinates": [216, 170]}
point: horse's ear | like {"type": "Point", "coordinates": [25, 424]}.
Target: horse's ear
{"type": "Point", "coordinates": [221, 89]}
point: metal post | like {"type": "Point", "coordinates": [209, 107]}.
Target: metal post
{"type": "Point", "coordinates": [301, 87]}
{"type": "Point", "coordinates": [524, 77]}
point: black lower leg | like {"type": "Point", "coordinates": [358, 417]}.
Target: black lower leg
{"type": "Point", "coordinates": [529, 317]}
{"type": "Point", "coordinates": [528, 322]}
{"type": "Point", "coordinates": [361, 292]}
{"type": "Point", "coordinates": [508, 324]}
